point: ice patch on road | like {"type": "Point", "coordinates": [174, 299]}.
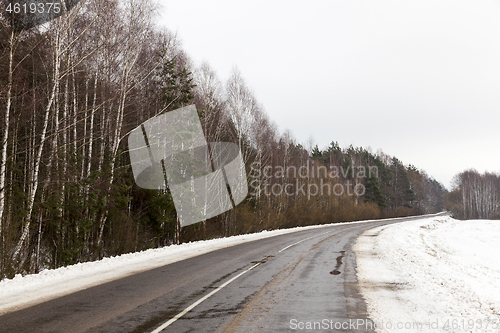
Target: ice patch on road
{"type": "Point", "coordinates": [440, 272]}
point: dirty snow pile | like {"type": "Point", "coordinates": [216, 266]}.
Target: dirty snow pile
{"type": "Point", "coordinates": [432, 275]}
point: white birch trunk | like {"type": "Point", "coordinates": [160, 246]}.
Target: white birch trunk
{"type": "Point", "coordinates": [91, 134]}
{"type": "Point", "coordinates": [137, 26]}
{"type": "Point", "coordinates": [5, 139]}
{"type": "Point", "coordinates": [34, 181]}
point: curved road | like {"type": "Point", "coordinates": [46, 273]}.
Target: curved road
{"type": "Point", "coordinates": [296, 281]}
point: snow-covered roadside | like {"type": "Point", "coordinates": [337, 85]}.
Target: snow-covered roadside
{"type": "Point", "coordinates": [23, 291]}
{"type": "Point", "coordinates": [432, 275]}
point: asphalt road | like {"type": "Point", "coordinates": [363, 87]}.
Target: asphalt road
{"type": "Point", "coordinates": [284, 283]}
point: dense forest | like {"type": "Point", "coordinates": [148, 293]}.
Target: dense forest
{"type": "Point", "coordinates": [474, 196]}
{"type": "Point", "coordinates": [72, 89]}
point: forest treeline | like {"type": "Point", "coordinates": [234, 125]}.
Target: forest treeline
{"type": "Point", "coordinates": [71, 90]}
{"type": "Point", "coordinates": [474, 196]}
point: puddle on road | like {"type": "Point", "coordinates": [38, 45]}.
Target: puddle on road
{"type": "Point", "coordinates": [339, 263]}
{"type": "Point", "coordinates": [263, 260]}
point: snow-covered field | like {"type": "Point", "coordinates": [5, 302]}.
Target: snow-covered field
{"type": "Point", "coordinates": [432, 275]}
{"type": "Point", "coordinates": [23, 291]}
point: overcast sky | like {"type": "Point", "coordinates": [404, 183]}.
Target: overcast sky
{"type": "Point", "coordinates": [418, 79]}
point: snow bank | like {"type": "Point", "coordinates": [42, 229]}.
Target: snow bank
{"type": "Point", "coordinates": [432, 275]}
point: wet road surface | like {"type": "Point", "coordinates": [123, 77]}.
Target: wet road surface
{"type": "Point", "coordinates": [279, 284]}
